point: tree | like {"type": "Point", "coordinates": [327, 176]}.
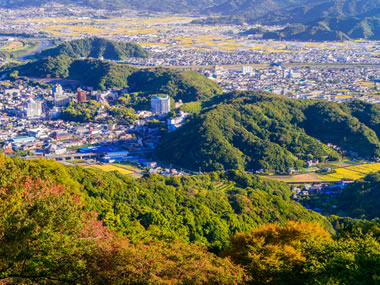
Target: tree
{"type": "Point", "coordinates": [274, 254]}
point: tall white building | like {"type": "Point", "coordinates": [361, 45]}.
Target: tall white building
{"type": "Point", "coordinates": [33, 109]}
{"type": "Point", "coordinates": [160, 105]}
{"type": "Point", "coordinates": [57, 90]}
{"type": "Point", "coordinates": [246, 69]}
{"type": "Point", "coordinates": [60, 99]}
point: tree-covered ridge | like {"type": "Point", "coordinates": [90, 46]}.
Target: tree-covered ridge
{"type": "Point", "coordinates": [181, 85]}
{"type": "Point", "coordinates": [95, 48]}
{"type": "Point", "coordinates": [205, 209]}
{"type": "Point", "coordinates": [257, 130]}
{"type": "Point", "coordinates": [327, 29]}
{"type": "Point", "coordinates": [306, 20]}
{"type": "Point", "coordinates": [361, 199]}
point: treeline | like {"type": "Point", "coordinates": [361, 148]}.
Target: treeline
{"type": "Point", "coordinates": [95, 48]}
{"type": "Point", "coordinates": [47, 234]}
{"type": "Point", "coordinates": [258, 130]}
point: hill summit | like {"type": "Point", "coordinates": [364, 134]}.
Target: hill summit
{"type": "Point", "coordinates": [96, 48]}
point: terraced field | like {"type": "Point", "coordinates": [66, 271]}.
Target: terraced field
{"type": "Point", "coordinates": [224, 186]}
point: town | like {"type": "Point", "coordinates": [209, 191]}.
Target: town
{"type": "Point", "coordinates": [30, 127]}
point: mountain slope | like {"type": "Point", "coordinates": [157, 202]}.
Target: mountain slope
{"type": "Point", "coordinates": [322, 20]}
{"type": "Point", "coordinates": [254, 130]}
{"type": "Point", "coordinates": [204, 209]}
{"type": "Point", "coordinates": [316, 10]}
{"type": "Point", "coordinates": [187, 86]}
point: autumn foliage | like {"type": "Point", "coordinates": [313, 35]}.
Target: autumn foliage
{"type": "Point", "coordinates": [47, 236]}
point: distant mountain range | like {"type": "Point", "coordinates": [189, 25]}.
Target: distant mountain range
{"type": "Point", "coordinates": [295, 11]}
{"type": "Point", "coordinates": [307, 20]}
{"type": "Point", "coordinates": [276, 11]}
{"type": "Point", "coordinates": [321, 19]}
{"type": "Point", "coordinates": [329, 29]}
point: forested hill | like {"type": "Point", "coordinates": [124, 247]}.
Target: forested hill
{"type": "Point", "coordinates": [258, 130]}
{"type": "Point", "coordinates": [181, 85]}
{"type": "Point", "coordinates": [205, 209]}
{"type": "Point", "coordinates": [95, 48]}
{"type": "Point", "coordinates": [187, 86]}
{"type": "Point", "coordinates": [160, 230]}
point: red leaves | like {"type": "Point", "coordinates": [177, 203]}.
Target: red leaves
{"type": "Point", "coordinates": [46, 233]}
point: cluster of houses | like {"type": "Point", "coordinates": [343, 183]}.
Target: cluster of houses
{"type": "Point", "coordinates": [334, 84]}
{"type": "Point", "coordinates": [319, 188]}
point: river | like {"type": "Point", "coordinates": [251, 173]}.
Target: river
{"type": "Point", "coordinates": [43, 45]}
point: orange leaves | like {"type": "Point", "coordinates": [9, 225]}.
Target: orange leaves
{"type": "Point", "coordinates": [274, 252]}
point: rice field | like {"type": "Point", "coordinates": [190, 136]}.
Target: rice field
{"type": "Point", "coordinates": [110, 167]}
{"type": "Point", "coordinates": [353, 172]}
{"type": "Point", "coordinates": [15, 45]}
{"type": "Point", "coordinates": [124, 169]}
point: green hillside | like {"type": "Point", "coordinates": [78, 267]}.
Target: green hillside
{"type": "Point", "coordinates": [181, 85]}
{"type": "Point", "coordinates": [89, 72]}
{"type": "Point", "coordinates": [257, 130]}
{"type": "Point", "coordinates": [95, 48]}
{"type": "Point", "coordinates": [205, 209]}
{"type": "Point", "coordinates": [101, 74]}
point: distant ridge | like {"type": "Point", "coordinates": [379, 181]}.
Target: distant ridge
{"type": "Point", "coordinates": [322, 19]}
{"type": "Point", "coordinates": [95, 48]}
